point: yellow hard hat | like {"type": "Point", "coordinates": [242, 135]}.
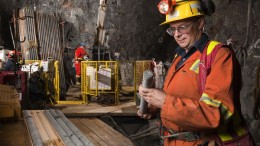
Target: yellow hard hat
{"type": "Point", "coordinates": [183, 10]}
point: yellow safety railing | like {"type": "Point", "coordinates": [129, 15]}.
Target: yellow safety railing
{"type": "Point", "coordinates": [57, 84]}
{"type": "Point", "coordinates": [99, 77]}
{"type": "Point", "coordinates": [139, 68]}
{"type": "Point", "coordinates": [57, 81]}
{"type": "Point", "coordinates": [32, 61]}
{"type": "Point", "coordinates": [50, 77]}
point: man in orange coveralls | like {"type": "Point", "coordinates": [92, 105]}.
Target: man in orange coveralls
{"type": "Point", "coordinates": [79, 56]}
{"type": "Point", "coordinates": [189, 116]}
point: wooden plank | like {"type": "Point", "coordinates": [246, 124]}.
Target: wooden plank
{"type": "Point", "coordinates": [18, 112]}
{"type": "Point", "coordinates": [6, 111]}
{"type": "Point", "coordinates": [22, 32]}
{"type": "Point", "coordinates": [9, 102]}
{"type": "Point", "coordinates": [103, 132]}
{"type": "Point", "coordinates": [9, 97]}
{"type": "Point", "coordinates": [6, 87]}
{"type": "Point", "coordinates": [121, 139]}
{"type": "Point", "coordinates": [99, 132]}
{"type": "Point", "coordinates": [13, 133]}
{"type": "Point", "coordinates": [87, 132]}
{"type": "Point", "coordinates": [94, 109]}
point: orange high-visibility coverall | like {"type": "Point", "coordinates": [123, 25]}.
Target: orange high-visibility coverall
{"type": "Point", "coordinates": [79, 56]}
{"type": "Point", "coordinates": [184, 109]}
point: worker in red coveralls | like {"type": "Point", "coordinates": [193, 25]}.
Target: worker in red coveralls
{"type": "Point", "coordinates": [79, 56]}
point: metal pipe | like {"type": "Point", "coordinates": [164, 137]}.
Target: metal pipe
{"type": "Point", "coordinates": [77, 132]}
{"type": "Point", "coordinates": [63, 36]}
{"type": "Point", "coordinates": [32, 34]}
{"type": "Point", "coordinates": [53, 50]}
{"type": "Point", "coordinates": [28, 24]}
{"type": "Point", "coordinates": [54, 138]}
{"type": "Point", "coordinates": [27, 19]}
{"type": "Point", "coordinates": [36, 34]}
{"type": "Point", "coordinates": [12, 36]}
{"type": "Point", "coordinates": [55, 40]}
{"type": "Point", "coordinates": [45, 34]}
{"type": "Point", "coordinates": [40, 127]}
{"type": "Point", "coordinates": [35, 49]}
{"type": "Point", "coordinates": [40, 30]}
{"type": "Point", "coordinates": [64, 126]}
{"type": "Point", "coordinates": [66, 139]}
{"type": "Point", "coordinates": [48, 36]}
{"type": "Point", "coordinates": [36, 138]}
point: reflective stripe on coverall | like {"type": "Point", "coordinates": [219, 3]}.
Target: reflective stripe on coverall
{"type": "Point", "coordinates": [186, 110]}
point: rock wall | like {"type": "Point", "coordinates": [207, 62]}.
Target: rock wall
{"type": "Point", "coordinates": [132, 27]}
{"type": "Point", "coordinates": [237, 22]}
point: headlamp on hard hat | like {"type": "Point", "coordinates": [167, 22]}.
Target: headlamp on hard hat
{"type": "Point", "coordinates": [165, 6]}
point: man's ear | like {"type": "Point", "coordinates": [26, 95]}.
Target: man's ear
{"type": "Point", "coordinates": [201, 23]}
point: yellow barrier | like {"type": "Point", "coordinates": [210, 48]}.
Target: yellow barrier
{"type": "Point", "coordinates": [50, 78]}
{"type": "Point", "coordinates": [99, 77]}
{"type": "Point", "coordinates": [32, 61]}
{"type": "Point", "coordinates": [57, 87]}
{"type": "Point", "coordinates": [57, 81]}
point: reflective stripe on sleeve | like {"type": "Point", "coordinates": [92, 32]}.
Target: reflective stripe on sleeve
{"type": "Point", "coordinates": [224, 111]}
{"type": "Point", "coordinates": [195, 66]}
{"type": "Point", "coordinates": [205, 98]}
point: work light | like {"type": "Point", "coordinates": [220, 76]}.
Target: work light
{"type": "Point", "coordinates": [164, 6]}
